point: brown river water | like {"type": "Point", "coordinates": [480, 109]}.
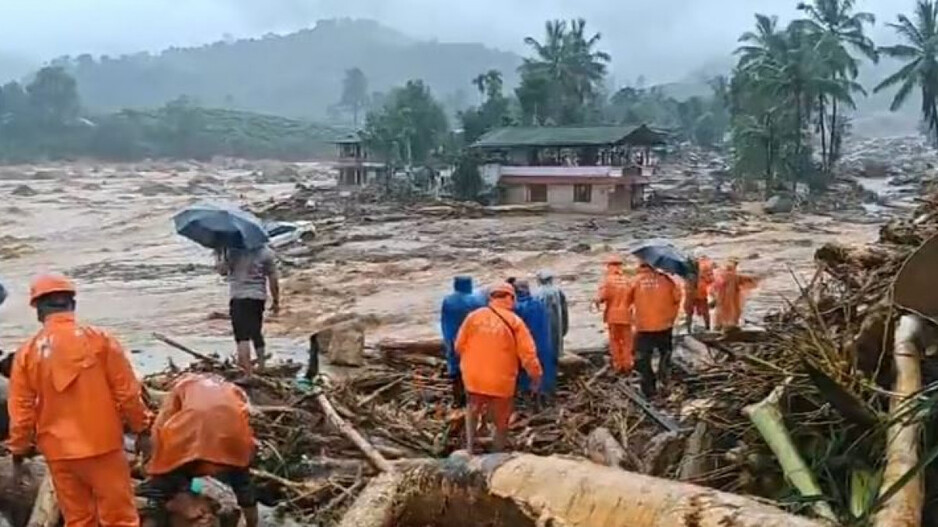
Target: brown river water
{"type": "Point", "coordinates": [109, 227]}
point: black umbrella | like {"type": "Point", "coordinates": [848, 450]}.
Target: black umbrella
{"type": "Point", "coordinates": [664, 256]}
{"type": "Point", "coordinates": [221, 227]}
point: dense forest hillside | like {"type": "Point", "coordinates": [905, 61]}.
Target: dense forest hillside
{"type": "Point", "coordinates": [295, 75]}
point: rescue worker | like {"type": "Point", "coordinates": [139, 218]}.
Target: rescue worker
{"type": "Point", "coordinates": [655, 301]}
{"type": "Point", "coordinates": [556, 303]}
{"type": "Point", "coordinates": [611, 298]}
{"type": "Point", "coordinates": [456, 307]}
{"type": "Point", "coordinates": [70, 387]}
{"type": "Point", "coordinates": [203, 429]}
{"type": "Point", "coordinates": [729, 293]}
{"type": "Point", "coordinates": [697, 293]}
{"type": "Point", "coordinates": [490, 344]}
{"type": "Point", "coordinates": [533, 313]}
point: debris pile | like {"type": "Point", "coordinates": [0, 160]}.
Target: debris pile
{"type": "Point", "coordinates": [823, 366]}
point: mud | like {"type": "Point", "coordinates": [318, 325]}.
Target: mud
{"type": "Point", "coordinates": [110, 227]}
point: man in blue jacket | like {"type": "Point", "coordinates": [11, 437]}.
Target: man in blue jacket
{"type": "Point", "coordinates": [456, 307]}
{"type": "Point", "coordinates": [534, 314]}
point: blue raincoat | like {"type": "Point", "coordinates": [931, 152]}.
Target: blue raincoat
{"type": "Point", "coordinates": [456, 307]}
{"type": "Point", "coordinates": [534, 314]}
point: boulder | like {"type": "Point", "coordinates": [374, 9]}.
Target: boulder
{"type": "Point", "coordinates": [343, 343]}
{"type": "Point", "coordinates": [778, 205]}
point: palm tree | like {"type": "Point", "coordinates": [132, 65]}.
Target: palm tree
{"type": "Point", "coordinates": [838, 27]}
{"type": "Point", "coordinates": [920, 52]}
{"type": "Point", "coordinates": [569, 61]}
{"type": "Point", "coordinates": [786, 71]}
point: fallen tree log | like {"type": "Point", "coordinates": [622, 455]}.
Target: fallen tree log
{"type": "Point", "coordinates": [904, 508]}
{"type": "Point", "coordinates": [374, 457]}
{"type": "Point", "coordinates": [432, 347]}
{"type": "Point", "coordinates": [510, 491]}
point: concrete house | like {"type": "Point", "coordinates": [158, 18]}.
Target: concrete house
{"type": "Point", "coordinates": [587, 169]}
{"type": "Point", "coordinates": [353, 163]}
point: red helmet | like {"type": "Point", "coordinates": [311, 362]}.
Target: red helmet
{"type": "Point", "coordinates": [45, 284]}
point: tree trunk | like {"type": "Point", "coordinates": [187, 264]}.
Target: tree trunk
{"type": "Point", "coordinates": [821, 117]}
{"type": "Point", "coordinates": [835, 133]}
{"type": "Point", "coordinates": [904, 509]}
{"type": "Point", "coordinates": [534, 490]}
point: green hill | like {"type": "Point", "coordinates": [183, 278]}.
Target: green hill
{"type": "Point", "coordinates": [295, 75]}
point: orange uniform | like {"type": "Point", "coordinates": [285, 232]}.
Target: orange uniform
{"type": "Point", "coordinates": [655, 300]}
{"type": "Point", "coordinates": [617, 315]}
{"type": "Point", "coordinates": [697, 302]}
{"type": "Point", "coordinates": [70, 388]}
{"type": "Point", "coordinates": [204, 419]}
{"type": "Point", "coordinates": [729, 291]}
{"type": "Point", "coordinates": [490, 344]}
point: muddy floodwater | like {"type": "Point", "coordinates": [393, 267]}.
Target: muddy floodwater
{"type": "Point", "coordinates": [109, 227]}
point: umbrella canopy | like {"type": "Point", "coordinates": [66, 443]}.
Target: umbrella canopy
{"type": "Point", "coordinates": [3, 294]}
{"type": "Point", "coordinates": [664, 256]}
{"type": "Point", "coordinates": [219, 226]}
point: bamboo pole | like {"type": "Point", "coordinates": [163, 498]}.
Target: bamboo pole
{"type": "Point", "coordinates": [767, 417]}
{"type": "Point", "coordinates": [904, 509]}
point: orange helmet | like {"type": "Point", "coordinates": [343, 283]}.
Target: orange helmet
{"type": "Point", "coordinates": [614, 259]}
{"type": "Point", "coordinates": [45, 284]}
{"type": "Point", "coordinates": [505, 289]}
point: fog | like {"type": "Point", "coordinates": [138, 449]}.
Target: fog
{"type": "Point", "coordinates": [662, 40]}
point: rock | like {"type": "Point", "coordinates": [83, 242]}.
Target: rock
{"type": "Point", "coordinates": [24, 190]}
{"type": "Point", "coordinates": [343, 343]}
{"type": "Point", "coordinates": [778, 205]}
{"type": "Point", "coordinates": [580, 248]}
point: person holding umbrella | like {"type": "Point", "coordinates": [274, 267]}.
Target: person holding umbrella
{"type": "Point", "coordinates": [243, 256]}
{"type": "Point", "coordinates": [655, 300]}
{"type": "Point", "coordinates": [250, 273]}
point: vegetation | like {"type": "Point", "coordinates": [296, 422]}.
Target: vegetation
{"type": "Point", "coordinates": [298, 75]}
{"type": "Point", "coordinates": [920, 53]}
{"type": "Point", "coordinates": [409, 128]}
{"type": "Point", "coordinates": [43, 121]}
{"type": "Point", "coordinates": [787, 89]}
{"type": "Point", "coordinates": [562, 82]}
{"type": "Point", "coordinates": [354, 93]}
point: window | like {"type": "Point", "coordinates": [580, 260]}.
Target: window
{"type": "Point", "coordinates": [582, 193]}
{"type": "Point", "coordinates": [537, 193]}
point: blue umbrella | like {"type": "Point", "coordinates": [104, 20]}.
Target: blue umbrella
{"type": "Point", "coordinates": [664, 256]}
{"type": "Point", "coordinates": [221, 227]}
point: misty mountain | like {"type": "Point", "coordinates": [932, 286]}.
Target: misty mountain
{"type": "Point", "coordinates": [297, 75]}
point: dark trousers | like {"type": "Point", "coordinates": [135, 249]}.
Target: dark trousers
{"type": "Point", "coordinates": [645, 345]}
{"type": "Point", "coordinates": [247, 320]}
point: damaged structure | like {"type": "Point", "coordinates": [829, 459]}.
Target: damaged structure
{"type": "Point", "coordinates": [571, 169]}
{"type": "Point", "coordinates": [353, 163]}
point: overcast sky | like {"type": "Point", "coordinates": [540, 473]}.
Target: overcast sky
{"type": "Point", "coordinates": [660, 39]}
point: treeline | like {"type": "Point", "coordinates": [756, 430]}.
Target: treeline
{"type": "Point", "coordinates": [563, 83]}
{"type": "Point", "coordinates": [782, 114]}
{"type": "Point", "coordinates": [44, 120]}
{"type": "Point", "coordinates": [793, 88]}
